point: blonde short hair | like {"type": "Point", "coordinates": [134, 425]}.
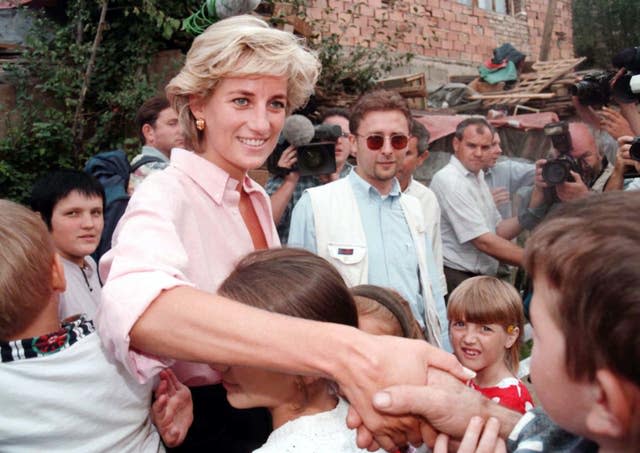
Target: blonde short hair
{"type": "Point", "coordinates": [26, 257]}
{"type": "Point", "coordinates": [237, 47]}
{"type": "Point", "coordinates": [489, 300]}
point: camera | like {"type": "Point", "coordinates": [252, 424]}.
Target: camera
{"type": "Point", "coordinates": [634, 151]}
{"type": "Point", "coordinates": [556, 171]}
{"type": "Point", "coordinates": [318, 157]}
{"type": "Point", "coordinates": [593, 89]}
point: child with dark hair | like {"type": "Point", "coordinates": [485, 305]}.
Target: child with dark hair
{"type": "Point", "coordinates": [71, 203]}
{"type": "Point", "coordinates": [383, 311]}
{"type": "Point", "coordinates": [486, 324]}
{"type": "Point", "coordinates": [59, 391]}
{"type": "Point", "coordinates": [307, 413]}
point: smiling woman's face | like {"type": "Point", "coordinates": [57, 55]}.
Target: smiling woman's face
{"type": "Point", "coordinates": [243, 119]}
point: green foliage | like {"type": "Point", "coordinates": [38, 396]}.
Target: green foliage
{"type": "Point", "coordinates": [49, 75]}
{"type": "Point", "coordinates": [601, 28]}
{"type": "Point", "coordinates": [350, 70]}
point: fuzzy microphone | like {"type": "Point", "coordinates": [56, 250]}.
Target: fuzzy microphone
{"type": "Point", "coordinates": [298, 130]}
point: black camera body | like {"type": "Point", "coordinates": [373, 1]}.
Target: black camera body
{"type": "Point", "coordinates": [558, 170]}
{"type": "Point", "coordinates": [634, 151]}
{"type": "Point", "coordinates": [318, 157]}
{"type": "Point", "coordinates": [593, 89]}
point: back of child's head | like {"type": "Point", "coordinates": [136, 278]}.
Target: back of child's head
{"type": "Point", "coordinates": [589, 251]}
{"type": "Point", "coordinates": [26, 259]}
{"type": "Point", "coordinates": [55, 186]}
{"type": "Point", "coordinates": [291, 282]}
{"type": "Point", "coordinates": [489, 300]}
{"type": "Point", "coordinates": [387, 307]}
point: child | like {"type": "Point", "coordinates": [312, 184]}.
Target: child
{"type": "Point", "coordinates": [58, 389]}
{"type": "Point", "coordinates": [71, 203]}
{"type": "Point", "coordinates": [486, 322]}
{"type": "Point", "coordinates": [382, 311]}
{"type": "Point", "coordinates": [307, 414]}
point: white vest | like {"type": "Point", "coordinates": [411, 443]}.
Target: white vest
{"type": "Point", "coordinates": [340, 239]}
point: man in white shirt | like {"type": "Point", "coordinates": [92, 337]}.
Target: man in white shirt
{"type": "Point", "coordinates": [474, 235]}
{"type": "Point", "coordinates": [417, 154]}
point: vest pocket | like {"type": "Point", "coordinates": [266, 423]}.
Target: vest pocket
{"type": "Point", "coordinates": [350, 261]}
{"type": "Point", "coordinates": [347, 253]}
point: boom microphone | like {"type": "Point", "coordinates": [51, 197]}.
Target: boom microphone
{"type": "Point", "coordinates": [298, 130]}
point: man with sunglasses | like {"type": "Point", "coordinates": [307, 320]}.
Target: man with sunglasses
{"type": "Point", "coordinates": [366, 227]}
{"type": "Point", "coordinates": [475, 238]}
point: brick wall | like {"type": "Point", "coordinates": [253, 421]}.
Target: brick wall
{"type": "Point", "coordinates": [448, 31]}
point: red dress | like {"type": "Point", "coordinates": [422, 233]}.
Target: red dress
{"type": "Point", "coordinates": [509, 392]}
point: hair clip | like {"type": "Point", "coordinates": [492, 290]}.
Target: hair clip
{"type": "Point", "coordinates": [511, 328]}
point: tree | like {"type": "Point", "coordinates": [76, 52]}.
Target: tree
{"type": "Point", "coordinates": [55, 69]}
{"type": "Point", "coordinates": [601, 28]}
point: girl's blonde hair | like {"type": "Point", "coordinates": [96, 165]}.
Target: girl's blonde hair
{"type": "Point", "coordinates": [489, 300]}
{"type": "Point", "coordinates": [237, 47]}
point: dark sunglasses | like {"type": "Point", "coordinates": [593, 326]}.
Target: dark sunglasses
{"type": "Point", "coordinates": [375, 142]}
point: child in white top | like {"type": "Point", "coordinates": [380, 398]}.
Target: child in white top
{"type": "Point", "coordinates": [307, 414]}
{"type": "Point", "coordinates": [486, 322]}
{"type": "Point", "coordinates": [59, 390]}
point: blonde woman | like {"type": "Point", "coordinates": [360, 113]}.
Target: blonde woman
{"type": "Point", "coordinates": [186, 227]}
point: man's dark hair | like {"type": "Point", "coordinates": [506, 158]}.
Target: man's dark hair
{"type": "Point", "coordinates": [53, 187]}
{"type": "Point", "coordinates": [478, 121]}
{"type": "Point", "coordinates": [148, 113]}
{"type": "Point", "coordinates": [334, 111]}
{"type": "Point", "coordinates": [377, 101]}
{"type": "Point", "coordinates": [422, 134]}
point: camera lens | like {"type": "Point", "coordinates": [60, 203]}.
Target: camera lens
{"type": "Point", "coordinates": [311, 159]}
{"type": "Point", "coordinates": [555, 172]}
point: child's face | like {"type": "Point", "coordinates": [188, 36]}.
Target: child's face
{"type": "Point", "coordinates": [480, 347]}
{"type": "Point", "coordinates": [76, 225]}
{"type": "Point", "coordinates": [254, 387]}
{"type": "Point", "coordinates": [564, 399]}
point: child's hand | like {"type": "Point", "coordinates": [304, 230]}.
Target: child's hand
{"type": "Point", "coordinates": [172, 411]}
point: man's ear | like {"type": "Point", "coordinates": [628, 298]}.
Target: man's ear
{"type": "Point", "coordinates": [353, 141]}
{"type": "Point", "coordinates": [611, 414]}
{"type": "Point", "coordinates": [422, 157]}
{"type": "Point", "coordinates": [58, 282]}
{"type": "Point", "coordinates": [455, 144]}
{"type": "Point", "coordinates": [148, 133]}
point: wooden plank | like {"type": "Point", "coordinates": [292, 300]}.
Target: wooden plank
{"type": "Point", "coordinates": [514, 96]}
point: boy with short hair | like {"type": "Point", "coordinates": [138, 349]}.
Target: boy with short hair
{"type": "Point", "coordinates": [71, 203]}
{"type": "Point", "coordinates": [59, 391]}
{"type": "Point", "coordinates": [585, 264]}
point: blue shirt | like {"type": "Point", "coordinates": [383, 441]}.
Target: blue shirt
{"type": "Point", "coordinates": [393, 261]}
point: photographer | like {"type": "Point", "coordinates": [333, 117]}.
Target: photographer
{"type": "Point", "coordinates": [285, 191]}
{"type": "Point", "coordinates": [589, 173]}
{"type": "Point", "coordinates": [625, 163]}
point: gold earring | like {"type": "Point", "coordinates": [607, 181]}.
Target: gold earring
{"type": "Point", "coordinates": [200, 124]}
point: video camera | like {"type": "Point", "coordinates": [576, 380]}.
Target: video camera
{"type": "Point", "coordinates": [315, 147]}
{"type": "Point", "coordinates": [597, 89]}
{"type": "Point", "coordinates": [558, 170]}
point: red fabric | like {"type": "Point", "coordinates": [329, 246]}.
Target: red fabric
{"type": "Point", "coordinates": [514, 395]}
{"type": "Point", "coordinates": [442, 125]}
{"type": "Point", "coordinates": [489, 64]}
